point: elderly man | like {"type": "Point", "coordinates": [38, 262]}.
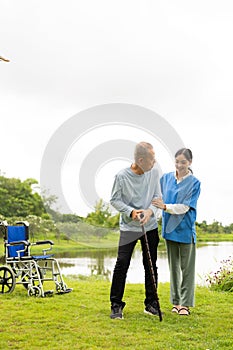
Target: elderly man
{"type": "Point", "coordinates": [132, 194]}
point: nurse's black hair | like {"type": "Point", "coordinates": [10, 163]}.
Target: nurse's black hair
{"type": "Point", "coordinates": [187, 153]}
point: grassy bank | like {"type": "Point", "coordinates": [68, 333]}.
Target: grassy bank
{"type": "Point", "coordinates": [110, 241]}
{"type": "Point", "coordinates": [214, 237]}
{"type": "Point", "coordinates": [80, 320]}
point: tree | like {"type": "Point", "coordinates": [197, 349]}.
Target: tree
{"type": "Point", "coordinates": [102, 216]}
{"type": "Point", "coordinates": [17, 198]}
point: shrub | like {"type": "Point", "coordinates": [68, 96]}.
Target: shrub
{"type": "Point", "coordinates": [222, 280]}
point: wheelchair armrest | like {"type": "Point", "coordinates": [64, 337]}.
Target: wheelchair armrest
{"type": "Point", "coordinates": [26, 243]}
{"type": "Point", "coordinates": [43, 242]}
{"type": "Point", "coordinates": [15, 243]}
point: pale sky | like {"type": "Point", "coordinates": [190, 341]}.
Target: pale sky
{"type": "Point", "coordinates": [172, 57]}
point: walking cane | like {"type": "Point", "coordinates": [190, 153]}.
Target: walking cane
{"type": "Point", "coordinates": [4, 59]}
{"type": "Point", "coordinates": [151, 268]}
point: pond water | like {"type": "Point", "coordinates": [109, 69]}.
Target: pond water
{"type": "Point", "coordinates": [102, 263]}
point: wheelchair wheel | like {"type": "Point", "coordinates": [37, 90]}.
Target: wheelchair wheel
{"type": "Point", "coordinates": [60, 287]}
{"type": "Point", "coordinates": [34, 292]}
{"type": "Point", "coordinates": [26, 279]}
{"type": "Point", "coordinates": [7, 280]}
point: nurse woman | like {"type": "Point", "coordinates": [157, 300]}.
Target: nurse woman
{"type": "Point", "coordinates": [180, 192]}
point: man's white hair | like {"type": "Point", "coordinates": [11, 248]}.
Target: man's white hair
{"type": "Point", "coordinates": [142, 150]}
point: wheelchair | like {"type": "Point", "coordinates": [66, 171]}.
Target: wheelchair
{"type": "Point", "coordinates": [21, 267]}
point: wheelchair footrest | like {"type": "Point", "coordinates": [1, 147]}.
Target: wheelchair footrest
{"type": "Point", "coordinates": [48, 293]}
{"type": "Point", "coordinates": [68, 290]}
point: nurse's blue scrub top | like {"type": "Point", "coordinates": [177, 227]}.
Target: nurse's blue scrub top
{"type": "Point", "coordinates": [181, 227]}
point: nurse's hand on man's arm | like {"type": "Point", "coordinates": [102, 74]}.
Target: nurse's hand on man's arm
{"type": "Point", "coordinates": [158, 202]}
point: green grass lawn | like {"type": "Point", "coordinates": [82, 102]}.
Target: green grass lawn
{"type": "Point", "coordinates": [80, 320]}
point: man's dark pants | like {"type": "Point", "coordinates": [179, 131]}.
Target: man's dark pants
{"type": "Point", "coordinates": [128, 240]}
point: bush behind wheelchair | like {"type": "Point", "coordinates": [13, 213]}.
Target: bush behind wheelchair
{"type": "Point", "coordinates": [21, 267]}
